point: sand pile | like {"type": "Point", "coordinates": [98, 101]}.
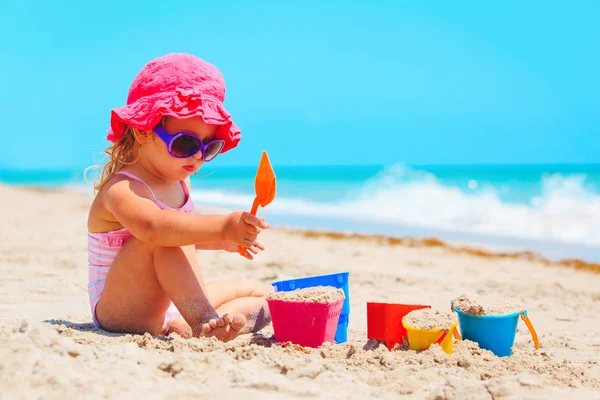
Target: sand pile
{"type": "Point", "coordinates": [68, 360]}
{"type": "Point", "coordinates": [428, 319]}
{"type": "Point", "coordinates": [59, 354]}
{"type": "Point", "coordinates": [317, 294]}
{"type": "Point", "coordinates": [487, 305]}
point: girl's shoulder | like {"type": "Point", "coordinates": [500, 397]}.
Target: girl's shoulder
{"type": "Point", "coordinates": [126, 179]}
{"type": "Point", "coordinates": [119, 185]}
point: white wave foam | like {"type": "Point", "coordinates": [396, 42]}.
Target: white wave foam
{"type": "Point", "coordinates": [564, 212]}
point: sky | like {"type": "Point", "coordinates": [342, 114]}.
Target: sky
{"type": "Point", "coordinates": [316, 83]}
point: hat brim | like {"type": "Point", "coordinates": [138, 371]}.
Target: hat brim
{"type": "Point", "coordinates": [146, 113]}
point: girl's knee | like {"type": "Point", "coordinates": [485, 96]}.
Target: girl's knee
{"type": "Point", "coordinates": [138, 243]}
{"type": "Point", "coordinates": [248, 288]}
{"type": "Point", "coordinates": [262, 290]}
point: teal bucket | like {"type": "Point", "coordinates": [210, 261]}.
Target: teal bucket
{"type": "Point", "coordinates": [495, 333]}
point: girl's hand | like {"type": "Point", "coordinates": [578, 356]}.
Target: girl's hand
{"type": "Point", "coordinates": [242, 228]}
{"type": "Point", "coordinates": [231, 247]}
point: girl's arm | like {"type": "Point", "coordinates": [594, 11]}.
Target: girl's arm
{"type": "Point", "coordinates": [232, 248]}
{"type": "Point", "coordinates": [127, 202]}
{"type": "Point", "coordinates": [210, 246]}
{"type": "Point", "coordinates": [204, 246]}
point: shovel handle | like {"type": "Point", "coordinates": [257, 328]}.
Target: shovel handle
{"type": "Point", "coordinates": [242, 250]}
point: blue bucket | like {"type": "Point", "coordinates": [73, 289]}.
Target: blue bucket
{"type": "Point", "coordinates": [493, 332]}
{"type": "Point", "coordinates": [338, 280]}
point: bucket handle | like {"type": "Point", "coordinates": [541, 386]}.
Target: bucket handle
{"type": "Point", "coordinates": [441, 339]}
{"type": "Point", "coordinates": [524, 317]}
{"type": "Point", "coordinates": [455, 329]}
{"type": "Point", "coordinates": [534, 335]}
{"type": "Point", "coordinates": [454, 332]}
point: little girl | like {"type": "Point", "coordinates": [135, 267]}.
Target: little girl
{"type": "Point", "coordinates": [143, 231]}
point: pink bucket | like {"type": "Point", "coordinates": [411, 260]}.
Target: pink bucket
{"type": "Point", "coordinates": [305, 324]}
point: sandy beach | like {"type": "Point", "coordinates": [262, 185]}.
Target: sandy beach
{"type": "Point", "coordinates": [49, 347]}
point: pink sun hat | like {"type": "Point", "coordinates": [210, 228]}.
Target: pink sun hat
{"type": "Point", "coordinates": [180, 86]}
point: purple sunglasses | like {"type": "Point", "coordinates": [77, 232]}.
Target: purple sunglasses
{"type": "Point", "coordinates": [184, 145]}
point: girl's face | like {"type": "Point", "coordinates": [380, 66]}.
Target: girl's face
{"type": "Point", "coordinates": [155, 151]}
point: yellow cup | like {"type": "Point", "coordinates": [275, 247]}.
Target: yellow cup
{"type": "Point", "coordinates": [419, 339]}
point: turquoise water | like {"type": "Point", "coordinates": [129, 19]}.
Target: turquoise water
{"type": "Point", "coordinates": [513, 184]}
{"type": "Point", "coordinates": [550, 208]}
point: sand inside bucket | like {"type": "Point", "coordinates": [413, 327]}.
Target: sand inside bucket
{"type": "Point", "coordinates": [316, 294]}
{"type": "Point", "coordinates": [428, 319]}
{"type": "Point", "coordinates": [487, 305]}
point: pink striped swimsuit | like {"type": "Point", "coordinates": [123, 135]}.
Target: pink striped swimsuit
{"type": "Point", "coordinates": [103, 248]}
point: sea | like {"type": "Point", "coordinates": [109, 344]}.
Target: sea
{"type": "Point", "coordinates": [553, 210]}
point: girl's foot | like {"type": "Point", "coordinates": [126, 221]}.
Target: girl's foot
{"type": "Point", "coordinates": [225, 328]}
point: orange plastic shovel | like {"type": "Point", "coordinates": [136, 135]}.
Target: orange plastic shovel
{"type": "Point", "coordinates": [264, 186]}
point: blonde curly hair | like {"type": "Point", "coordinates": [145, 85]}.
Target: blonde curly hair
{"type": "Point", "coordinates": [119, 154]}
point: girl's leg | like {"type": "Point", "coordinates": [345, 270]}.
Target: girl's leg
{"type": "Point", "coordinates": [232, 297]}
{"type": "Point", "coordinates": [142, 282]}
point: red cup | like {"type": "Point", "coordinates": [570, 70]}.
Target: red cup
{"type": "Point", "coordinates": [305, 324]}
{"type": "Point", "coordinates": [384, 321]}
